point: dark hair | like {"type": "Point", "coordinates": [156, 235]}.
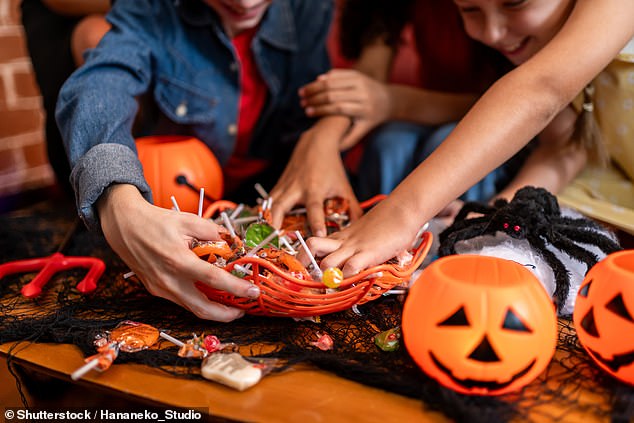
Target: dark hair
{"type": "Point", "coordinates": [587, 134]}
{"type": "Point", "coordinates": [364, 21]}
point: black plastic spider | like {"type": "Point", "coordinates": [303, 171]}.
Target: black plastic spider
{"type": "Point", "coordinates": [534, 215]}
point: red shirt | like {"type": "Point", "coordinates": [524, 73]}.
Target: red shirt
{"type": "Point", "coordinates": [253, 93]}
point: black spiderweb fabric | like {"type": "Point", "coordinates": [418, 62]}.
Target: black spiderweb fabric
{"type": "Point", "coordinates": [66, 316]}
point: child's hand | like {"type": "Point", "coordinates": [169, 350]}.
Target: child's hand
{"type": "Point", "coordinates": [448, 214]}
{"type": "Point", "coordinates": [346, 92]}
{"type": "Point", "coordinates": [155, 243]}
{"type": "Point", "coordinates": [371, 240]}
{"type": "Point", "coordinates": [314, 173]}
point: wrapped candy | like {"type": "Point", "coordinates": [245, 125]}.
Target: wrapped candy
{"type": "Point", "coordinates": [388, 340]}
{"type": "Point", "coordinates": [128, 337]}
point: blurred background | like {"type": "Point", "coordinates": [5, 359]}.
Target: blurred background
{"type": "Point", "coordinates": [25, 174]}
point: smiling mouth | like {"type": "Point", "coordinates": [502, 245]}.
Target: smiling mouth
{"type": "Point", "coordinates": [514, 49]}
{"type": "Point", "coordinates": [617, 362]}
{"type": "Point", "coordinates": [471, 383]}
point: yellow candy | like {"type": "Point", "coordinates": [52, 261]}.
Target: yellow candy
{"type": "Point", "coordinates": [332, 277]}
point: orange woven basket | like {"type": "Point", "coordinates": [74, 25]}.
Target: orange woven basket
{"type": "Point", "coordinates": [287, 296]}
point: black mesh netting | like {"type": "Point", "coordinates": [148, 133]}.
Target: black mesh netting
{"type": "Point", "coordinates": [572, 384]}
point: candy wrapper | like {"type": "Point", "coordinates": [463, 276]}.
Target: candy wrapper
{"type": "Point", "coordinates": [235, 371]}
{"type": "Point", "coordinates": [128, 337]}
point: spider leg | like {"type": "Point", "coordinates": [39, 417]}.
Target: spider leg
{"type": "Point", "coordinates": [473, 207]}
{"type": "Point", "coordinates": [590, 237]}
{"type": "Point", "coordinates": [575, 252]}
{"type": "Point", "coordinates": [449, 241]}
{"type": "Point", "coordinates": [460, 231]}
{"type": "Point", "coordinates": [461, 225]}
{"type": "Point", "coordinates": [562, 276]}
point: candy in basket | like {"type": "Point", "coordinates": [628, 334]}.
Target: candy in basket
{"type": "Point", "coordinates": [266, 257]}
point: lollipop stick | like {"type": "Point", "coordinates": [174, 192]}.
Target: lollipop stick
{"type": "Point", "coordinates": [201, 199]}
{"type": "Point", "coordinates": [243, 269]}
{"type": "Point", "coordinates": [260, 189]}
{"type": "Point", "coordinates": [263, 243]}
{"type": "Point", "coordinates": [286, 244]}
{"type": "Point", "coordinates": [241, 220]}
{"type": "Point", "coordinates": [175, 203]}
{"type": "Point", "coordinates": [79, 373]}
{"type": "Point", "coordinates": [171, 339]}
{"type": "Point", "coordinates": [316, 268]}
{"type": "Point", "coordinates": [237, 211]}
{"type": "Point", "coordinates": [228, 224]}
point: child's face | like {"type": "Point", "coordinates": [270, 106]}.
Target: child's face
{"type": "Point", "coordinates": [516, 28]}
{"type": "Point", "coordinates": [239, 15]}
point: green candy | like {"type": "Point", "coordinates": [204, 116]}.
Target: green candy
{"type": "Point", "coordinates": [257, 232]}
{"type": "Point", "coordinates": [388, 340]}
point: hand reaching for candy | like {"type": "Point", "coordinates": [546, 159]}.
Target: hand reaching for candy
{"type": "Point", "coordinates": [310, 181]}
{"type": "Point", "coordinates": [161, 257]}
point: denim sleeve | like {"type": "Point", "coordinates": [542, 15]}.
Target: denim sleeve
{"type": "Point", "coordinates": [97, 106]}
{"type": "Point", "coordinates": [103, 165]}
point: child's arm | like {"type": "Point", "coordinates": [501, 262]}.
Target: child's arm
{"type": "Point", "coordinates": [95, 112]}
{"type": "Point", "coordinates": [555, 161]}
{"type": "Point", "coordinates": [512, 112]}
{"type": "Point", "coordinates": [315, 171]}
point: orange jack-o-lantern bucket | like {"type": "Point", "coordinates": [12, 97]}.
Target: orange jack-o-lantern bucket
{"type": "Point", "coordinates": [604, 314]}
{"type": "Point", "coordinates": [479, 325]}
{"type": "Point", "coordinates": [179, 166]}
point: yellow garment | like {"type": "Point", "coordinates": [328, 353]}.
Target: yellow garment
{"type": "Point", "coordinates": [607, 194]}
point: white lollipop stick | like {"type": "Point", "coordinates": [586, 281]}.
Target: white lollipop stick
{"type": "Point", "coordinates": [171, 339]}
{"type": "Point", "coordinates": [247, 219]}
{"type": "Point", "coordinates": [237, 211]}
{"type": "Point", "coordinates": [260, 189]}
{"type": "Point", "coordinates": [243, 269]}
{"type": "Point", "coordinates": [175, 203]}
{"type": "Point", "coordinates": [228, 224]}
{"type": "Point", "coordinates": [419, 235]}
{"type": "Point", "coordinates": [128, 275]}
{"type": "Point", "coordinates": [200, 202]}
{"type": "Point", "coordinates": [79, 373]}
{"type": "Point", "coordinates": [267, 204]}
{"type": "Point", "coordinates": [316, 268]}
{"type": "Point", "coordinates": [263, 243]}
{"type": "Point", "coordinates": [287, 244]}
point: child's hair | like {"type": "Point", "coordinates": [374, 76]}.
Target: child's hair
{"type": "Point", "coordinates": [587, 134]}
{"type": "Point", "coordinates": [365, 21]}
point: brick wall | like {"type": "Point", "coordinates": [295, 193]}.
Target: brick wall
{"type": "Point", "coordinates": [23, 162]}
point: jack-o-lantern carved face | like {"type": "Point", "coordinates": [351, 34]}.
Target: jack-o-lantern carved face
{"type": "Point", "coordinates": [179, 166]}
{"type": "Point", "coordinates": [604, 314]}
{"type": "Point", "coordinates": [479, 325]}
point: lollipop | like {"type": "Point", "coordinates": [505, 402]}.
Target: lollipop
{"type": "Point", "coordinates": [128, 337]}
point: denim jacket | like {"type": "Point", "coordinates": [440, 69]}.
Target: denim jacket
{"type": "Point", "coordinates": [178, 52]}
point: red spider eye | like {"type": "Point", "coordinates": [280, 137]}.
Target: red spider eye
{"type": "Point", "coordinates": [516, 228]}
{"type": "Point", "coordinates": [506, 226]}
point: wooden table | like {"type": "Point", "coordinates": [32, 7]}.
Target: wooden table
{"type": "Point", "coordinates": [302, 394]}
{"type": "Point", "coordinates": [299, 395]}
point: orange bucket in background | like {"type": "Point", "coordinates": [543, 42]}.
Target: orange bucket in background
{"type": "Point", "coordinates": [179, 166]}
